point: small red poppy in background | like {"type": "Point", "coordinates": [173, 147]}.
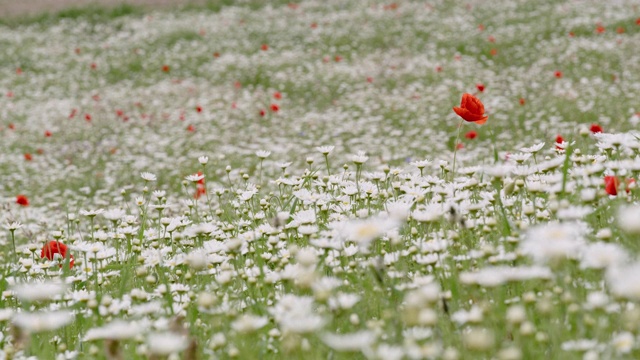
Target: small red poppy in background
{"type": "Point", "coordinates": [87, 117]}
{"type": "Point", "coordinates": [572, 34]}
{"type": "Point", "coordinates": [73, 113]}
{"type": "Point", "coordinates": [19, 71]}
{"type": "Point", "coordinates": [480, 87]}
{"type": "Point", "coordinates": [94, 66]}
{"type": "Point", "coordinates": [600, 29]}
{"type": "Point", "coordinates": [277, 95]}
{"type": "Point", "coordinates": [264, 47]}
{"type": "Point", "coordinates": [263, 112]}
{"type": "Point", "coordinates": [200, 188]}
{"type": "Point", "coordinates": [595, 128]}
{"type": "Point", "coordinates": [557, 74]}
{"type": "Point", "coordinates": [491, 39]}
{"type": "Point", "coordinates": [460, 146]}
{"type": "Point", "coordinates": [559, 141]}
{"type": "Point", "coordinates": [521, 101]}
{"type": "Point", "coordinates": [166, 68]}
{"type": "Point", "coordinates": [275, 107]}
{"type": "Point", "coordinates": [620, 30]}
{"type": "Point", "coordinates": [471, 109]}
{"type": "Point", "coordinates": [199, 108]}
{"type": "Point", "coordinates": [50, 249]}
{"type": "Point", "coordinates": [493, 52]}
{"type": "Point", "coordinates": [28, 157]}
{"type": "Point", "coordinates": [22, 200]}
{"type": "Point", "coordinates": [471, 135]}
{"type": "Point", "coordinates": [611, 185]}
{"type": "Point", "coordinates": [191, 128]}
{"type": "Point", "coordinates": [47, 133]}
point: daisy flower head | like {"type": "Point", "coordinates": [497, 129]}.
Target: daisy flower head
{"type": "Point", "coordinates": [147, 176]}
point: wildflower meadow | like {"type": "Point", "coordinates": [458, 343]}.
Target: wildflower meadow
{"type": "Point", "coordinates": [323, 179]}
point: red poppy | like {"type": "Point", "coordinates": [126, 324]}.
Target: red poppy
{"type": "Point", "coordinates": [191, 128]}
{"type": "Point", "coordinates": [165, 68]}
{"type": "Point", "coordinates": [471, 109]}
{"type": "Point", "coordinates": [459, 146]}
{"type": "Point", "coordinates": [493, 52]}
{"type": "Point", "coordinates": [392, 6]}
{"type": "Point", "coordinates": [638, 21]}
{"type": "Point", "coordinates": [87, 117]}
{"type": "Point", "coordinates": [337, 58]}
{"type": "Point", "coordinates": [480, 87]}
{"type": "Point", "coordinates": [216, 54]}
{"type": "Point", "coordinates": [19, 71]}
{"type": "Point", "coordinates": [620, 30]}
{"type": "Point", "coordinates": [22, 200]}
{"type": "Point", "coordinates": [55, 247]}
{"type": "Point", "coordinates": [611, 185]}
{"type": "Point", "coordinates": [28, 157]}
{"type": "Point", "coordinates": [471, 135]}
{"type": "Point", "coordinates": [572, 34]}
{"type": "Point", "coordinates": [73, 113]}
{"type": "Point", "coordinates": [595, 128]}
{"type": "Point", "coordinates": [264, 47]}
{"type": "Point", "coordinates": [522, 101]}
{"type": "Point", "coordinates": [93, 66]}
{"type": "Point", "coordinates": [600, 29]}
{"type": "Point", "coordinates": [557, 74]}
{"type": "Point", "coordinates": [275, 107]}
{"type": "Point", "coordinates": [491, 39]}
{"type": "Point", "coordinates": [200, 189]}
{"type": "Point", "coordinates": [559, 140]}
{"type": "Point", "coordinates": [277, 95]}
{"type": "Point", "coordinates": [262, 112]}
{"type": "Point", "coordinates": [199, 108]}
{"type": "Point", "coordinates": [47, 133]}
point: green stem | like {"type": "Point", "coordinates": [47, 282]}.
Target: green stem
{"type": "Point", "coordinates": [326, 161]}
{"type": "Point", "coordinates": [455, 152]}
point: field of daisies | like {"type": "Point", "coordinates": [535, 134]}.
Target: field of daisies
{"type": "Point", "coordinates": [291, 181]}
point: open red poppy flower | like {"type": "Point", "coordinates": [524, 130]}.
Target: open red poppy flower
{"type": "Point", "coordinates": [471, 109]}
{"type": "Point", "coordinates": [50, 249]}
